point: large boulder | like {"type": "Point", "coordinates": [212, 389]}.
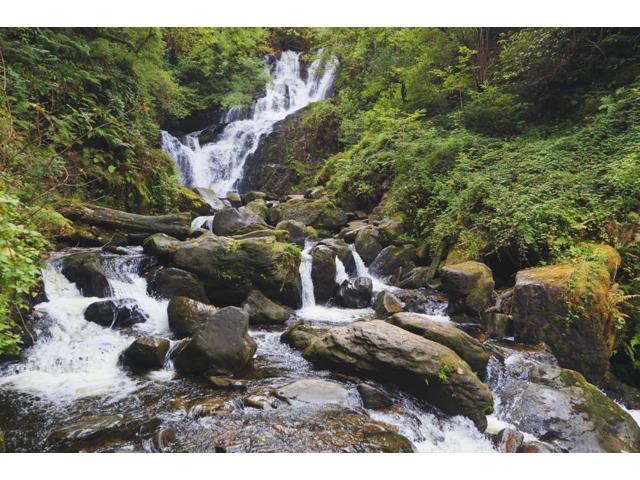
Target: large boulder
{"type": "Point", "coordinates": [186, 315]}
{"type": "Point", "coordinates": [342, 251]}
{"type": "Point", "coordinates": [323, 273]}
{"type": "Point", "coordinates": [394, 261]}
{"type": "Point", "coordinates": [222, 345]}
{"type": "Point", "coordinates": [86, 271]}
{"type": "Point", "coordinates": [355, 292]}
{"type": "Point", "coordinates": [297, 231]}
{"type": "Point", "coordinates": [386, 303]}
{"type": "Point", "coordinates": [299, 335]}
{"type": "Point", "coordinates": [232, 221]}
{"type": "Point", "coordinates": [559, 406]}
{"type": "Point", "coordinates": [160, 245]}
{"type": "Point", "coordinates": [567, 307]}
{"type": "Point", "coordinates": [146, 353]}
{"type": "Point", "coordinates": [447, 334]}
{"type": "Point", "coordinates": [263, 311]}
{"type": "Point", "coordinates": [419, 277]}
{"type": "Point", "coordinates": [321, 213]}
{"type": "Point", "coordinates": [469, 286]}
{"type": "Point", "coordinates": [230, 269]}
{"type": "Point", "coordinates": [368, 244]}
{"type": "Point", "coordinates": [430, 370]}
{"type": "Point", "coordinates": [174, 282]}
{"type": "Point", "coordinates": [122, 312]}
{"type": "Point", "coordinates": [210, 196]}
{"type": "Point", "coordinates": [258, 207]}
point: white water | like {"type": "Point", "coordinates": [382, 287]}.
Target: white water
{"type": "Point", "coordinates": [363, 271]}
{"type": "Point", "coordinates": [219, 165]}
{"type": "Point", "coordinates": [74, 358]}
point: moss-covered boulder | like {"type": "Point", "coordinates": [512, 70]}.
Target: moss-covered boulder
{"type": "Point", "coordinates": [173, 282]}
{"type": "Point", "coordinates": [297, 231]}
{"type": "Point", "coordinates": [299, 335]}
{"type": "Point", "coordinates": [258, 207]}
{"type": "Point", "coordinates": [469, 286]}
{"type": "Point", "coordinates": [559, 406]}
{"type": "Point", "coordinates": [322, 214]}
{"type": "Point", "coordinates": [342, 251]}
{"type": "Point", "coordinates": [567, 307]}
{"type": "Point", "coordinates": [160, 245]}
{"type": "Point", "coordinates": [368, 244]}
{"type": "Point", "coordinates": [263, 311]}
{"type": "Point", "coordinates": [323, 273]}
{"type": "Point", "coordinates": [222, 345]}
{"type": "Point", "coordinates": [430, 370]}
{"type": "Point", "coordinates": [230, 269]}
{"type": "Point", "coordinates": [447, 334]}
{"type": "Point", "coordinates": [186, 315]}
{"type": "Point", "coordinates": [191, 201]}
{"type": "Point", "coordinates": [232, 221]}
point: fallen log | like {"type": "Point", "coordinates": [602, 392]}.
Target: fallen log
{"type": "Point", "coordinates": [177, 224]}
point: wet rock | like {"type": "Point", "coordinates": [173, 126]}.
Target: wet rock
{"type": "Point", "coordinates": [146, 353]}
{"type": "Point", "coordinates": [447, 334]}
{"type": "Point", "coordinates": [368, 244]}
{"type": "Point", "coordinates": [299, 336]}
{"type": "Point", "coordinates": [355, 292]}
{"type": "Point", "coordinates": [263, 311]}
{"type": "Point", "coordinates": [234, 199]}
{"type": "Point", "coordinates": [254, 195]}
{"type": "Point", "coordinates": [536, 447]}
{"type": "Point", "coordinates": [311, 391]}
{"type": "Point", "coordinates": [258, 207]}
{"type": "Point", "coordinates": [86, 271]}
{"type": "Point", "coordinates": [469, 286]}
{"type": "Point", "coordinates": [261, 402]}
{"type": "Point", "coordinates": [321, 213]}
{"type": "Point", "coordinates": [186, 315]}
{"type": "Point", "coordinates": [323, 273]}
{"type": "Point", "coordinates": [509, 440]}
{"type": "Point", "coordinates": [174, 282]}
{"type": "Point", "coordinates": [430, 370]}
{"type": "Point", "coordinates": [236, 221]}
{"type": "Point", "coordinates": [415, 300]}
{"type": "Point", "coordinates": [386, 303]}
{"type": "Point", "coordinates": [160, 245]}
{"type": "Point", "coordinates": [122, 312]}
{"type": "Point", "coordinates": [498, 325]}
{"type": "Point", "coordinates": [566, 306]}
{"type": "Point", "coordinates": [209, 195]}
{"type": "Point", "coordinates": [297, 231]}
{"type": "Point", "coordinates": [559, 406]}
{"type": "Point", "coordinates": [210, 407]}
{"type": "Point", "coordinates": [230, 269]}
{"type": "Point", "coordinates": [221, 345]}
{"type": "Point", "coordinates": [373, 398]}
{"type": "Point", "coordinates": [342, 251]}
{"type": "Point", "coordinates": [394, 260]}
{"type": "Point", "coordinates": [227, 383]}
{"type": "Point", "coordinates": [162, 439]}
{"type": "Point", "coordinates": [88, 428]}
{"type": "Point", "coordinates": [387, 442]}
{"type": "Point", "coordinates": [419, 277]}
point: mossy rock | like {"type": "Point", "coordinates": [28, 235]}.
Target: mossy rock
{"type": "Point", "coordinates": [567, 307]}
{"type": "Point", "coordinates": [190, 201]}
{"type": "Point", "coordinates": [322, 213]}
{"type": "Point", "coordinates": [469, 286]}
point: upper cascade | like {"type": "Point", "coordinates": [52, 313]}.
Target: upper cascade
{"type": "Point", "coordinates": [219, 164]}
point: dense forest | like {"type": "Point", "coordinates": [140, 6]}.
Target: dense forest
{"type": "Point", "coordinates": [515, 147]}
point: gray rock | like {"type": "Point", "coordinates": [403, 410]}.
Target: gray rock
{"type": "Point", "coordinates": [373, 398]}
{"type": "Point", "coordinates": [323, 273]}
{"type": "Point", "coordinates": [232, 221]}
{"type": "Point", "coordinates": [263, 311]}
{"type": "Point", "coordinates": [186, 315]}
{"type": "Point", "coordinates": [355, 292]}
{"type": "Point", "coordinates": [146, 353]}
{"type": "Point", "coordinates": [174, 282]}
{"type": "Point", "coordinates": [122, 312]}
{"type": "Point", "coordinates": [86, 271]}
{"type": "Point", "coordinates": [386, 303]}
{"type": "Point", "coordinates": [312, 391]}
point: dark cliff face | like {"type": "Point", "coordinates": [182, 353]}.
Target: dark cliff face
{"type": "Point", "coordinates": [293, 153]}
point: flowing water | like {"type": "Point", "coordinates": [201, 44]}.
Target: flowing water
{"type": "Point", "coordinates": [219, 165]}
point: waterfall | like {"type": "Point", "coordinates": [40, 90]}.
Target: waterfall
{"type": "Point", "coordinates": [363, 271]}
{"type": "Point", "coordinates": [308, 297]}
{"type": "Point", "coordinates": [219, 164]}
{"type": "Point", "coordinates": [341, 271]}
{"type": "Point", "coordinates": [74, 358]}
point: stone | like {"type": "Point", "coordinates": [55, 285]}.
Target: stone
{"type": "Point", "coordinates": [447, 334]}
{"type": "Point", "coordinates": [263, 311]}
{"type": "Point", "coordinates": [431, 371]}
{"type": "Point", "coordinates": [355, 292]}
{"type": "Point", "coordinates": [162, 439]}
{"type": "Point", "coordinates": [227, 383]}
{"type": "Point", "coordinates": [386, 303]}
{"type": "Point", "coordinates": [297, 231]}
{"type": "Point", "coordinates": [122, 312]}
{"type": "Point", "coordinates": [394, 261]}
{"type": "Point", "coordinates": [209, 195]}
{"type": "Point", "coordinates": [342, 251]}
{"type": "Point", "coordinates": [186, 315]}
{"type": "Point", "coordinates": [323, 273]}
{"type": "Point", "coordinates": [258, 207]}
{"type": "Point", "coordinates": [419, 277]}
{"type": "Point", "coordinates": [160, 245]}
{"type": "Point", "coordinates": [536, 447]}
{"type": "Point", "coordinates": [173, 282]}
{"type": "Point", "coordinates": [234, 199]}
{"type": "Point", "coordinates": [566, 306]}
{"type": "Point", "coordinates": [373, 398]}
{"type": "Point", "coordinates": [313, 392]}
{"type": "Point", "coordinates": [232, 221]}
{"type": "Point", "coordinates": [86, 271]}
{"type": "Point", "coordinates": [321, 213]}
{"type": "Point", "coordinates": [388, 442]}
{"type": "Point", "coordinates": [222, 345]}
{"type": "Point", "coordinates": [146, 353]}
{"type": "Point", "coordinates": [469, 286]}
{"type": "Point", "coordinates": [230, 269]}
{"type": "Point", "coordinates": [299, 335]}
{"type": "Point", "coordinates": [509, 440]}
{"type": "Point", "coordinates": [560, 407]}
{"type": "Point", "coordinates": [367, 243]}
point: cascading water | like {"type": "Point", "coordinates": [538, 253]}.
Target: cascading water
{"type": "Point", "coordinates": [363, 271]}
{"type": "Point", "coordinates": [219, 165]}
{"type": "Point", "coordinates": [74, 358]}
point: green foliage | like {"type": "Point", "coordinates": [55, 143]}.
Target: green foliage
{"type": "Point", "coordinates": [20, 249]}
